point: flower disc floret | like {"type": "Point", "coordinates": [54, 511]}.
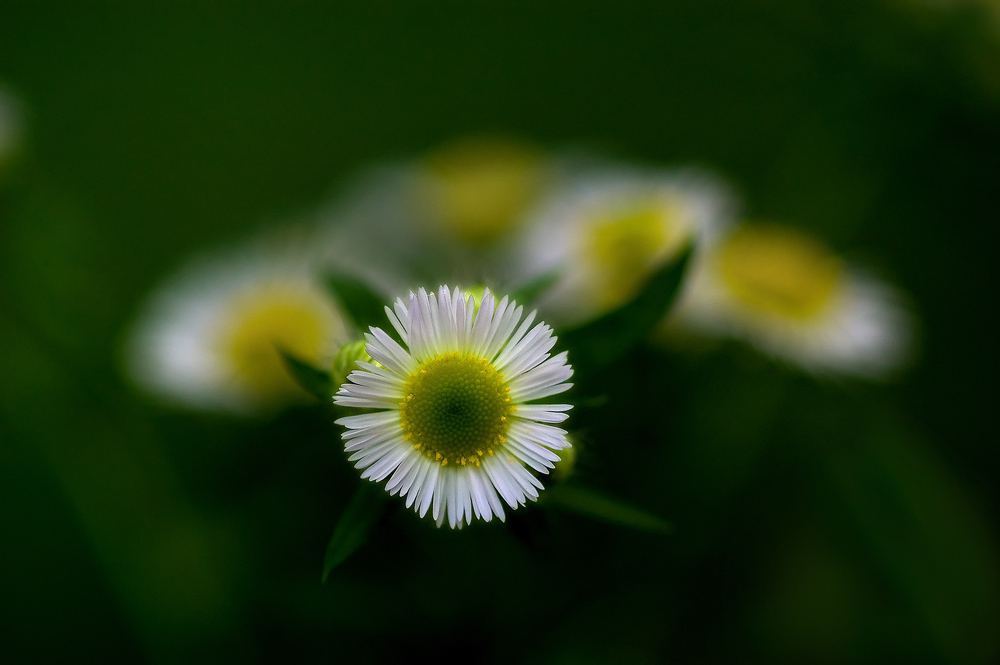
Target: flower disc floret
{"type": "Point", "coordinates": [456, 409]}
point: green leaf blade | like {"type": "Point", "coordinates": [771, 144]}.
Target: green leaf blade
{"type": "Point", "coordinates": [600, 342]}
{"type": "Point", "coordinates": [354, 526]}
{"type": "Point", "coordinates": [313, 380]}
{"type": "Point", "coordinates": [362, 304]}
{"type": "Point", "coordinates": [595, 505]}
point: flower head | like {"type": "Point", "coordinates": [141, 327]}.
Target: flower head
{"type": "Point", "coordinates": [211, 337]}
{"type": "Point", "coordinates": [454, 432]}
{"type": "Point", "coordinates": [786, 293]}
{"type": "Point", "coordinates": [609, 231]}
{"type": "Point", "coordinates": [478, 189]}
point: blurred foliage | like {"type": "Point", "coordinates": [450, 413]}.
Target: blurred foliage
{"type": "Point", "coordinates": [816, 521]}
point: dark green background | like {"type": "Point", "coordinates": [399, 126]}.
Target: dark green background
{"type": "Point", "coordinates": [816, 521]}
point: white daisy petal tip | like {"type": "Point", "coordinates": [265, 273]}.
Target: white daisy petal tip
{"type": "Point", "coordinates": [449, 431]}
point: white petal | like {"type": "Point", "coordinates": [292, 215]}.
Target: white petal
{"type": "Point", "coordinates": [370, 420]}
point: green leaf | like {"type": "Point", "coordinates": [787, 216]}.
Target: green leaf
{"type": "Point", "coordinates": [529, 292]}
{"type": "Point", "coordinates": [600, 342]}
{"type": "Point", "coordinates": [362, 513]}
{"type": "Point", "coordinates": [589, 503]}
{"type": "Point", "coordinates": [364, 306]}
{"type": "Point", "coordinates": [313, 380]}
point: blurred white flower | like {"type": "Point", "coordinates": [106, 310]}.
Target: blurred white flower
{"type": "Point", "coordinates": [477, 190]}
{"type": "Point", "coordinates": [790, 296]}
{"type": "Point", "coordinates": [445, 216]}
{"type": "Point", "coordinates": [209, 337]}
{"type": "Point", "coordinates": [607, 231]}
{"type": "Point", "coordinates": [455, 430]}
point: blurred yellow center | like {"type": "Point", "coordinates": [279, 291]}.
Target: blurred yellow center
{"type": "Point", "coordinates": [624, 248]}
{"type": "Point", "coordinates": [456, 409]}
{"type": "Point", "coordinates": [779, 271]}
{"type": "Point", "coordinates": [263, 322]}
{"type": "Point", "coordinates": [483, 187]}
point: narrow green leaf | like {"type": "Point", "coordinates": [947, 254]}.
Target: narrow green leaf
{"type": "Point", "coordinates": [528, 293]}
{"type": "Point", "coordinates": [313, 380]}
{"type": "Point", "coordinates": [362, 513]}
{"type": "Point", "coordinates": [593, 504]}
{"type": "Point", "coordinates": [364, 305]}
{"type": "Point", "coordinates": [601, 341]}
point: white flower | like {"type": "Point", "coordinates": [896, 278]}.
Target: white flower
{"type": "Point", "coordinates": [209, 337]}
{"type": "Point", "coordinates": [477, 190]}
{"type": "Point", "coordinates": [788, 295]}
{"type": "Point", "coordinates": [607, 231]}
{"type": "Point", "coordinates": [455, 430]}
{"type": "Point", "coordinates": [448, 215]}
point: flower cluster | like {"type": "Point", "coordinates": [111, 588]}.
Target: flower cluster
{"type": "Point", "coordinates": [444, 398]}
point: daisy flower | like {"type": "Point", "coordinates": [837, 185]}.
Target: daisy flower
{"type": "Point", "coordinates": [787, 294]}
{"type": "Point", "coordinates": [477, 190]}
{"type": "Point", "coordinates": [209, 337]}
{"type": "Point", "coordinates": [607, 232]}
{"type": "Point", "coordinates": [455, 431]}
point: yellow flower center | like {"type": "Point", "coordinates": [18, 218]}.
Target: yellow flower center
{"type": "Point", "coordinates": [262, 322]}
{"type": "Point", "coordinates": [625, 247]}
{"type": "Point", "coordinates": [456, 409]}
{"type": "Point", "coordinates": [779, 271]}
{"type": "Point", "coordinates": [483, 187]}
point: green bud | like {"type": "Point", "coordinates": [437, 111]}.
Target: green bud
{"type": "Point", "coordinates": [567, 461]}
{"type": "Point", "coordinates": [476, 291]}
{"type": "Point", "coordinates": [345, 361]}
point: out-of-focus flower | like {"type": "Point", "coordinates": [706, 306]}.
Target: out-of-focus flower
{"type": "Point", "coordinates": [210, 337]}
{"type": "Point", "coordinates": [607, 232]}
{"type": "Point", "coordinates": [446, 216]}
{"type": "Point", "coordinates": [790, 296]}
{"type": "Point", "coordinates": [477, 190]}
{"type": "Point", "coordinates": [11, 124]}
{"type": "Point", "coordinates": [455, 428]}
